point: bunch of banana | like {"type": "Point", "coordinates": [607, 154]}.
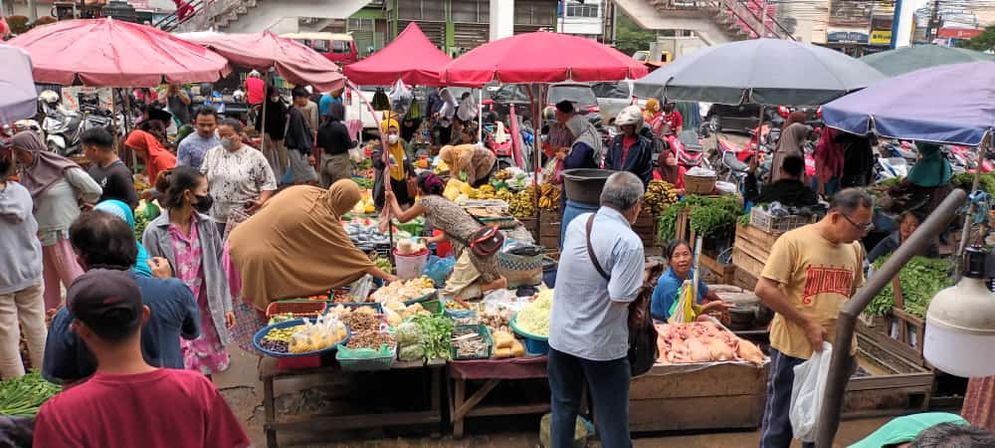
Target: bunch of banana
{"type": "Point", "coordinates": [484, 192]}
{"type": "Point", "coordinates": [503, 174]}
{"type": "Point", "coordinates": [521, 205]}
{"type": "Point", "coordinates": [549, 197]}
{"type": "Point", "coordinates": [659, 196]}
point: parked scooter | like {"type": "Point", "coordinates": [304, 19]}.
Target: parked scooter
{"type": "Point", "coordinates": [63, 127]}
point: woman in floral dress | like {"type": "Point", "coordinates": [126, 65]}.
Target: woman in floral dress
{"type": "Point", "coordinates": [187, 237]}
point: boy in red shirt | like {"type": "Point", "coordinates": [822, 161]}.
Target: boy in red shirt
{"type": "Point", "coordinates": [129, 403]}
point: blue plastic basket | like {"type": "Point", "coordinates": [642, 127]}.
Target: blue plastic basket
{"type": "Point", "coordinates": [257, 341]}
{"type": "Point", "coordinates": [534, 345]}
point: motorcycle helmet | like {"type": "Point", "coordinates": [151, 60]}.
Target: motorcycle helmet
{"type": "Point", "coordinates": [49, 97]}
{"type": "Point", "coordinates": [549, 113]}
{"type": "Point", "coordinates": [631, 115]}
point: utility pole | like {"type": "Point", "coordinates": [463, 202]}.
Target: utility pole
{"type": "Point", "coordinates": [934, 22]}
{"type": "Point", "coordinates": [33, 10]}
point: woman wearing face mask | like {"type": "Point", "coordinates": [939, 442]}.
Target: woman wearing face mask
{"type": "Point", "coordinates": [400, 170]}
{"type": "Point", "coordinates": [238, 176]}
{"type": "Point", "coordinates": [188, 239]}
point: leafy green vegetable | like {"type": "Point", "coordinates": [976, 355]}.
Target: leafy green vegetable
{"type": "Point", "coordinates": [964, 181]}
{"type": "Point", "coordinates": [436, 332]}
{"type": "Point", "coordinates": [23, 396]}
{"type": "Point", "coordinates": [709, 216]}
{"type": "Point", "coordinates": [921, 278]}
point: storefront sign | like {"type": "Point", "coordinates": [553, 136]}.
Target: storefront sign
{"type": "Point", "coordinates": [958, 33]}
{"type": "Point", "coordinates": [880, 37]}
{"type": "Point", "coordinates": [846, 37]}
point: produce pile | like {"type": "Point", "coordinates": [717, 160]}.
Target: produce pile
{"type": "Point", "coordinates": [506, 346]}
{"type": "Point", "coordinates": [21, 397]}
{"type": "Point", "coordinates": [365, 233]}
{"type": "Point", "coordinates": [469, 343]}
{"type": "Point", "coordinates": [365, 205]}
{"type": "Point", "coordinates": [965, 181]}
{"type": "Point", "coordinates": [549, 196]}
{"type": "Point", "coordinates": [534, 317]}
{"type": "Point", "coordinates": [396, 311]}
{"type": "Point", "coordinates": [510, 178]}
{"type": "Point", "coordinates": [366, 328]}
{"type": "Point", "coordinates": [660, 195]}
{"type": "Point", "coordinates": [424, 337]}
{"type": "Point", "coordinates": [405, 290]}
{"type": "Point", "coordinates": [921, 278]}
{"type": "Point", "coordinates": [310, 336]}
{"type": "Point", "coordinates": [710, 216]}
{"type": "Point", "coordinates": [703, 342]}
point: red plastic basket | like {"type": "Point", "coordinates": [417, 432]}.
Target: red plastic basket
{"type": "Point", "coordinates": [297, 308]}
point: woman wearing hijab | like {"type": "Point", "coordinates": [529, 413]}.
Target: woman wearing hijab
{"type": "Point", "coordinates": [400, 169]}
{"type": "Point", "coordinates": [276, 127]}
{"type": "Point", "coordinates": [472, 163]}
{"type": "Point", "coordinates": [473, 276]}
{"type": "Point", "coordinates": [58, 187]}
{"type": "Point", "coordinates": [123, 211]}
{"type": "Point", "coordinates": [296, 246]}
{"type": "Point", "coordinates": [586, 149]}
{"type": "Point", "coordinates": [793, 136]}
{"type": "Point", "coordinates": [334, 143]}
{"type": "Point", "coordinates": [156, 157]}
{"type": "Point", "coordinates": [929, 178]}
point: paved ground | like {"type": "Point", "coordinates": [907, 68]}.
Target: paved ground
{"type": "Point", "coordinates": [242, 389]}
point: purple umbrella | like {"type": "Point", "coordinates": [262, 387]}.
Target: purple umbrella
{"type": "Point", "coordinates": [949, 104]}
{"type": "Point", "coordinates": [18, 86]}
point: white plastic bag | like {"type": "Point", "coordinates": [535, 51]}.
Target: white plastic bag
{"type": "Point", "coordinates": [400, 98]}
{"type": "Point", "coordinates": [806, 393]}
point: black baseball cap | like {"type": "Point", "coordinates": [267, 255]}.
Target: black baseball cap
{"type": "Point", "coordinates": [107, 301]}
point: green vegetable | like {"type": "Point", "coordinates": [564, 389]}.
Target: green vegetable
{"type": "Point", "coordinates": [436, 331]}
{"type": "Point", "coordinates": [964, 181]}
{"type": "Point", "coordinates": [363, 182]}
{"type": "Point", "coordinates": [921, 278]}
{"type": "Point", "coordinates": [709, 216]}
{"type": "Point", "coordinates": [23, 396]}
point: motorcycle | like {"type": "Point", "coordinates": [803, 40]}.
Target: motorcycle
{"type": "Point", "coordinates": [63, 127]}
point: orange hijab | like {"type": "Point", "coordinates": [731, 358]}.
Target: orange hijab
{"type": "Point", "coordinates": [157, 157]}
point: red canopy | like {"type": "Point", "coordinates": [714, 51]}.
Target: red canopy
{"type": "Point", "coordinates": [294, 61]}
{"type": "Point", "coordinates": [410, 57]}
{"type": "Point", "coordinates": [112, 53]}
{"type": "Point", "coordinates": [541, 57]}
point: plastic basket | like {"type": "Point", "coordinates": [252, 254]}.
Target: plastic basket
{"type": "Point", "coordinates": [762, 220]}
{"type": "Point", "coordinates": [520, 270]}
{"type": "Point", "coordinates": [699, 184]}
{"type": "Point", "coordinates": [257, 340]}
{"type": "Point", "coordinates": [366, 359]}
{"type": "Point", "coordinates": [457, 314]}
{"type": "Point", "coordinates": [485, 335]}
{"type": "Point", "coordinates": [432, 306]}
{"type": "Point", "coordinates": [297, 308]}
{"type": "Point", "coordinates": [410, 266]}
{"type": "Point", "coordinates": [534, 345]}
{"type": "Point", "coordinates": [434, 295]}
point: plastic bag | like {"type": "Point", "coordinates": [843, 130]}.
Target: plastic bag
{"type": "Point", "coordinates": [467, 109]}
{"type": "Point", "coordinates": [361, 289]}
{"type": "Point", "coordinates": [806, 393]}
{"type": "Point", "coordinates": [439, 269]}
{"type": "Point", "coordinates": [683, 308]}
{"type": "Point", "coordinates": [400, 98]}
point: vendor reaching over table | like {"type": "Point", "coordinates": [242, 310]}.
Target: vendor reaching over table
{"type": "Point", "coordinates": [295, 245]}
{"type": "Point", "coordinates": [789, 190]}
{"type": "Point", "coordinates": [679, 259]}
{"type": "Point", "coordinates": [400, 168]}
{"type": "Point", "coordinates": [473, 275]}
{"type": "Point", "coordinates": [475, 162]}
{"type": "Point", "coordinates": [908, 222]}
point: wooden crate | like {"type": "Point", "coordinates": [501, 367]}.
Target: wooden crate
{"type": "Point", "coordinates": [697, 397]}
{"type": "Point", "coordinates": [899, 332]}
{"type": "Point", "coordinates": [744, 279]}
{"type": "Point", "coordinates": [751, 249]}
{"type": "Point", "coordinates": [725, 273]}
{"type": "Point", "coordinates": [549, 230]}
{"type": "Point", "coordinates": [645, 227]}
{"type": "Point", "coordinates": [532, 225]}
{"type": "Point", "coordinates": [888, 385]}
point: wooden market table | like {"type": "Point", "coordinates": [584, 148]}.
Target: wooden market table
{"type": "Point", "coordinates": [269, 373]}
{"type": "Point", "coordinates": [492, 372]}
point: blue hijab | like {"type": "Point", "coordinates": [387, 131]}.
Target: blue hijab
{"type": "Point", "coordinates": [123, 211]}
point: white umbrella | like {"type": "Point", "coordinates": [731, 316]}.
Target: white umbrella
{"type": "Point", "coordinates": [19, 99]}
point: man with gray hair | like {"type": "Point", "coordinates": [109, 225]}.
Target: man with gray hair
{"type": "Point", "coordinates": [810, 273]}
{"type": "Point", "coordinates": [600, 274]}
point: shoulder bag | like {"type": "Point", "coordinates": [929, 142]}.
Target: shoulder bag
{"type": "Point", "coordinates": [643, 350]}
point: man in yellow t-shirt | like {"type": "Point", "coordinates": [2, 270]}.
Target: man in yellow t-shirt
{"type": "Point", "coordinates": [810, 273]}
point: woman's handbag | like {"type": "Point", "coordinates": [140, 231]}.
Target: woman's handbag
{"type": "Point", "coordinates": [643, 350]}
{"type": "Point", "coordinates": [486, 241]}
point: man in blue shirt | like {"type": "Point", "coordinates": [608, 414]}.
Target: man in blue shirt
{"type": "Point", "coordinates": [192, 149]}
{"type": "Point", "coordinates": [103, 241]}
{"type": "Point", "coordinates": [588, 329]}
{"type": "Point", "coordinates": [325, 103]}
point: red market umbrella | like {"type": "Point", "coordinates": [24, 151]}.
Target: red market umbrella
{"type": "Point", "coordinates": [294, 61]}
{"type": "Point", "coordinates": [541, 57]}
{"type": "Point", "coordinates": [112, 53]}
{"type": "Point", "coordinates": [410, 57]}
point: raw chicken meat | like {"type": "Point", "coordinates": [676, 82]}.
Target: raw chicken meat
{"type": "Point", "coordinates": [703, 342]}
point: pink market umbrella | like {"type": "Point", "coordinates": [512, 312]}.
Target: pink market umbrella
{"type": "Point", "coordinates": [294, 61]}
{"type": "Point", "coordinates": [19, 98]}
{"type": "Point", "coordinates": [542, 57]}
{"type": "Point", "coordinates": [112, 53]}
{"type": "Point", "coordinates": [410, 57]}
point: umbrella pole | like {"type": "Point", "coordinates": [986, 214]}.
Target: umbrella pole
{"type": "Point", "coordinates": [480, 115]}
{"type": "Point", "coordinates": [760, 131]}
{"type": "Point", "coordinates": [262, 126]}
{"type": "Point", "coordinates": [125, 112]}
{"type": "Point", "coordinates": [966, 230]}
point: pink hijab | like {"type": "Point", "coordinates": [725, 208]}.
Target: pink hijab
{"type": "Point", "coordinates": [46, 168]}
